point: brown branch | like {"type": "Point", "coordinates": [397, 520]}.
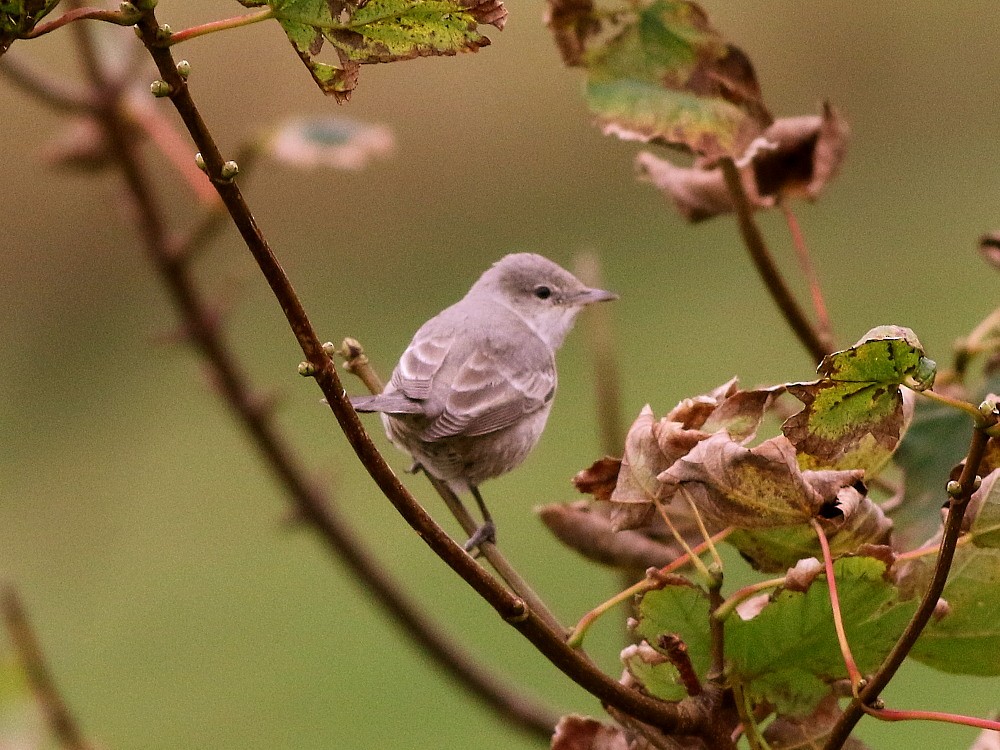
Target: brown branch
{"type": "Point", "coordinates": [949, 541]}
{"type": "Point", "coordinates": [310, 501]}
{"type": "Point", "coordinates": [753, 238]}
{"type": "Point", "coordinates": [32, 660]}
{"type": "Point", "coordinates": [686, 718]}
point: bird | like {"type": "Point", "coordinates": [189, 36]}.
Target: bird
{"type": "Point", "coordinates": [472, 392]}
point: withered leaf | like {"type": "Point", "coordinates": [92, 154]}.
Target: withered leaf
{"type": "Point", "coordinates": [600, 478]}
{"type": "Point", "coordinates": [379, 31]}
{"type": "Point", "coordinates": [798, 156]}
{"type": "Point", "coordinates": [659, 72]}
{"type": "Point", "coordinates": [984, 510]}
{"type": "Point", "coordinates": [753, 488]}
{"type": "Point", "coordinates": [583, 733]}
{"type": "Point", "coordinates": [587, 528]}
{"type": "Point", "coordinates": [794, 156]}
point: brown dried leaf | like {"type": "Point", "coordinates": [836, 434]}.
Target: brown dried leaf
{"type": "Point", "coordinates": [801, 155]}
{"type": "Point", "coordinates": [583, 733]}
{"type": "Point", "coordinates": [753, 488]}
{"type": "Point", "coordinates": [587, 528]}
{"type": "Point", "coordinates": [599, 479]}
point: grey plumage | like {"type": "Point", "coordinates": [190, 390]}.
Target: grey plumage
{"type": "Point", "coordinates": [472, 392]}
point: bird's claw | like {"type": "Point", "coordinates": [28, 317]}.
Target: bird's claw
{"type": "Point", "coordinates": [487, 533]}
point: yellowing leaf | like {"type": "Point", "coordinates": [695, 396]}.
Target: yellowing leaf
{"type": "Point", "coordinates": [660, 72]}
{"type": "Point", "coordinates": [854, 414]}
{"type": "Point", "coordinates": [380, 31]}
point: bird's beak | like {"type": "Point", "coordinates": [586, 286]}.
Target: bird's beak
{"type": "Point", "coordinates": [589, 296]}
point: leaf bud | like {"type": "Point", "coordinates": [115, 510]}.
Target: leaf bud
{"type": "Point", "coordinates": [977, 482]}
{"type": "Point", "coordinates": [128, 9]}
{"type": "Point", "coordinates": [307, 369]}
{"type": "Point", "coordinates": [184, 69]}
{"type": "Point", "coordinates": [330, 348]}
{"type": "Point", "coordinates": [953, 488]}
{"type": "Point", "coordinates": [199, 160]}
{"type": "Point", "coordinates": [229, 171]}
{"type": "Point", "coordinates": [163, 33]}
{"type": "Point", "coordinates": [145, 4]}
{"type": "Point", "coordinates": [988, 409]}
{"type": "Point", "coordinates": [160, 88]}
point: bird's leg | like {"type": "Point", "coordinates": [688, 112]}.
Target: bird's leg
{"type": "Point", "coordinates": [485, 533]}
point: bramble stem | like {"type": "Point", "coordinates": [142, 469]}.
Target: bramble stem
{"type": "Point", "coordinates": [29, 655]}
{"type": "Point", "coordinates": [838, 618]}
{"type": "Point", "coordinates": [949, 541]}
{"type": "Point", "coordinates": [221, 25]}
{"type": "Point", "coordinates": [753, 238]}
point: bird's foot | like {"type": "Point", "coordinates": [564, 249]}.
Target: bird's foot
{"type": "Point", "coordinates": [487, 533]}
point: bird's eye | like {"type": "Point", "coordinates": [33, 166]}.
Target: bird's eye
{"type": "Point", "coordinates": [543, 292]}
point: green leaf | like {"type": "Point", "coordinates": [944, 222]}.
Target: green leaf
{"type": "Point", "coordinates": [788, 654]}
{"type": "Point", "coordinates": [966, 640]}
{"type": "Point", "coordinates": [661, 73]}
{"type": "Point", "coordinates": [380, 31]}
{"type": "Point", "coordinates": [681, 609]}
{"type": "Point", "coordinates": [853, 415]}
{"type": "Point", "coordinates": [18, 17]}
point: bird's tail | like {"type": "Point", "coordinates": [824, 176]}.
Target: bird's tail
{"type": "Point", "coordinates": [387, 403]}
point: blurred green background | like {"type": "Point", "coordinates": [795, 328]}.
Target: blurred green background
{"type": "Point", "coordinates": [177, 608]}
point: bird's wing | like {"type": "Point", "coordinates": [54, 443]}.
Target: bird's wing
{"type": "Point", "coordinates": [387, 403]}
{"type": "Point", "coordinates": [493, 388]}
{"type": "Point", "coordinates": [421, 361]}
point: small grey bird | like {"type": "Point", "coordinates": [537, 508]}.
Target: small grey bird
{"type": "Point", "coordinates": [473, 390]}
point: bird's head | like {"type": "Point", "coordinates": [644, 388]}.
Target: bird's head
{"type": "Point", "coordinates": [543, 294]}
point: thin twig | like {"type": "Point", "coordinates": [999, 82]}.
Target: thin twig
{"type": "Point", "coordinates": [688, 718]}
{"type": "Point", "coordinates": [825, 328]}
{"type": "Point", "coordinates": [81, 14]}
{"type": "Point", "coordinates": [761, 256]}
{"type": "Point", "coordinates": [224, 24]}
{"type": "Point", "coordinates": [952, 530]}
{"type": "Point", "coordinates": [853, 673]}
{"type": "Point", "coordinates": [32, 660]}
{"type": "Point", "coordinates": [311, 503]}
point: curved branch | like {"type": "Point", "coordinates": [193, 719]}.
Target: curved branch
{"type": "Point", "coordinates": [685, 718]}
{"type": "Point", "coordinates": [311, 503]}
